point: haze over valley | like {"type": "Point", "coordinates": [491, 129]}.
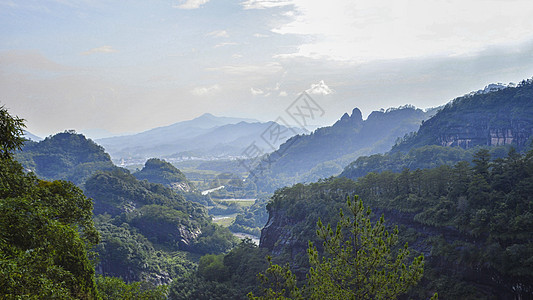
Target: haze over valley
{"type": "Point", "coordinates": [266, 149]}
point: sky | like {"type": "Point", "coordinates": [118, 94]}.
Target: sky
{"type": "Point", "coordinates": [115, 67]}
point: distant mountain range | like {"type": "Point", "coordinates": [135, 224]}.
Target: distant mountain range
{"type": "Point", "coordinates": [325, 152]}
{"type": "Point", "coordinates": [205, 136]}
{"type": "Point", "coordinates": [30, 136]}
{"type": "Point", "coordinates": [495, 118]}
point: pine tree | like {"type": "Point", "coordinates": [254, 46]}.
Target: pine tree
{"type": "Point", "coordinates": [359, 262]}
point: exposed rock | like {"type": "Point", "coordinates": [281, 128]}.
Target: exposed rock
{"type": "Point", "coordinates": [483, 133]}
{"type": "Point", "coordinates": [498, 116]}
{"type": "Point", "coordinates": [181, 186]}
{"type": "Point", "coordinates": [187, 237]}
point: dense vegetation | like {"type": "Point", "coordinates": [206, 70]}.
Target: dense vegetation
{"type": "Point", "coordinates": [252, 219]}
{"type": "Point", "coordinates": [65, 156]}
{"type": "Point", "coordinates": [467, 209]}
{"type": "Point", "coordinates": [482, 217]}
{"type": "Point", "coordinates": [293, 214]}
{"type": "Point", "coordinates": [46, 230]}
{"type": "Point", "coordinates": [425, 157]}
{"type": "Point", "coordinates": [229, 276]}
{"type": "Point", "coordinates": [381, 270]}
{"type": "Point", "coordinates": [47, 235]}
{"type": "Point", "coordinates": [145, 234]}
{"type": "Point", "coordinates": [358, 261]}
{"type": "Point", "coordinates": [486, 119]}
{"type": "Point", "coordinates": [150, 232]}
{"type": "Point", "coordinates": [159, 171]}
{"type": "Point", "coordinates": [473, 221]}
{"type": "Point", "coordinates": [119, 191]}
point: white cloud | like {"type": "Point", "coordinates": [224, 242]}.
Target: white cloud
{"type": "Point", "coordinates": [205, 90]}
{"type": "Point", "coordinates": [103, 49]}
{"type": "Point", "coordinates": [218, 34]}
{"type": "Point", "coordinates": [256, 92]}
{"type": "Point", "coordinates": [236, 55]}
{"type": "Point", "coordinates": [262, 4]}
{"type": "Point", "coordinates": [320, 88]}
{"type": "Point", "coordinates": [283, 94]}
{"type": "Point", "coordinates": [246, 70]}
{"type": "Point", "coordinates": [390, 29]}
{"type": "Point", "coordinates": [260, 35]}
{"type": "Point", "coordinates": [190, 4]}
{"type": "Point", "coordinates": [225, 44]}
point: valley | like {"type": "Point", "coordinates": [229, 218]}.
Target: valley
{"type": "Point", "coordinates": [456, 181]}
{"type": "Point", "coordinates": [266, 150]}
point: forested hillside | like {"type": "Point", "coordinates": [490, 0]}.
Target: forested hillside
{"type": "Point", "coordinates": [501, 117]}
{"type": "Point", "coordinates": [472, 221]}
{"type": "Point", "coordinates": [450, 206]}
{"type": "Point", "coordinates": [425, 157]}
{"type": "Point", "coordinates": [160, 171]}
{"type": "Point", "coordinates": [47, 235]}
{"type": "Point", "coordinates": [66, 156]}
{"type": "Point", "coordinates": [138, 217]}
{"type": "Point", "coordinates": [497, 119]}
{"type": "Point", "coordinates": [143, 233]}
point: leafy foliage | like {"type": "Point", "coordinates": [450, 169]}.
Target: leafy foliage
{"type": "Point", "coordinates": [150, 230]}
{"type": "Point", "coordinates": [124, 252]}
{"type": "Point", "coordinates": [228, 276]}
{"type": "Point", "coordinates": [358, 263]}
{"type": "Point", "coordinates": [118, 191]}
{"type": "Point", "coordinates": [113, 288]}
{"type": "Point", "coordinates": [425, 157]}
{"type": "Point", "coordinates": [294, 212]}
{"type": "Point", "coordinates": [277, 283]}
{"type": "Point", "coordinates": [252, 219]}
{"type": "Point", "coordinates": [46, 230]}
{"type": "Point", "coordinates": [485, 209]}
{"type": "Point", "coordinates": [11, 133]}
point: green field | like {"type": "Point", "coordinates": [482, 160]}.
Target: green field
{"type": "Point", "coordinates": [240, 202]}
{"type": "Point", "coordinates": [224, 220]}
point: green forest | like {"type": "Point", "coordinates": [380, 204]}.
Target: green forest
{"type": "Point", "coordinates": [429, 219]}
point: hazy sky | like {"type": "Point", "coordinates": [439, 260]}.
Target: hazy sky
{"type": "Point", "coordinates": [127, 66]}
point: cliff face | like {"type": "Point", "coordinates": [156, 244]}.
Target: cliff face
{"type": "Point", "coordinates": [481, 131]}
{"type": "Point", "coordinates": [277, 235]}
{"type": "Point", "coordinates": [282, 236]}
{"type": "Point", "coordinates": [501, 117]}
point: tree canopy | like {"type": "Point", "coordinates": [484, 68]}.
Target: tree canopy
{"type": "Point", "coordinates": [359, 260]}
{"type": "Point", "coordinates": [46, 230]}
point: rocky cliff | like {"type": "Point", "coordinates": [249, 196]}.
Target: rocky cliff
{"type": "Point", "coordinates": [497, 117]}
{"type": "Point", "coordinates": [457, 255]}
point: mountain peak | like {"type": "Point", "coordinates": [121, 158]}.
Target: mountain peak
{"type": "Point", "coordinates": [207, 115]}
{"type": "Point", "coordinates": [345, 117]}
{"type": "Point", "coordinates": [357, 115]}
{"type": "Point", "coordinates": [355, 118]}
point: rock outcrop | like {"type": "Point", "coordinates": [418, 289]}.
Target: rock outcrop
{"type": "Point", "coordinates": [493, 118]}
